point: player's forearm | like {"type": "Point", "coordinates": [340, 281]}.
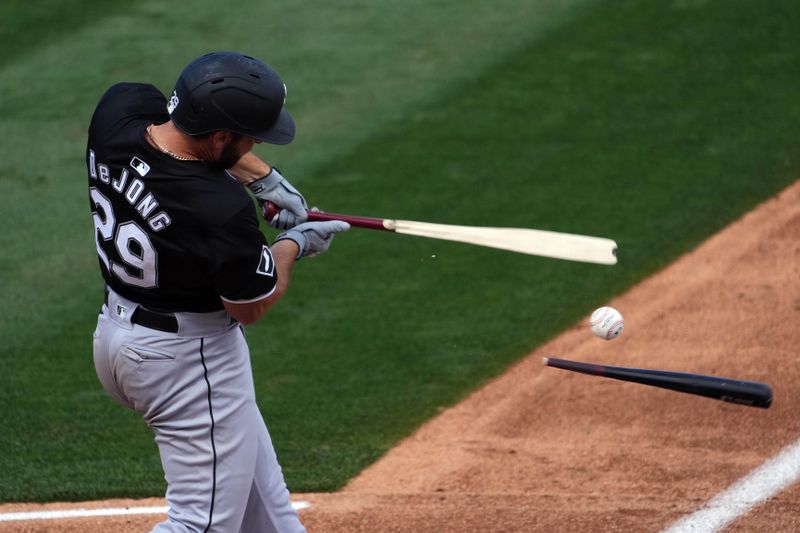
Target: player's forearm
{"type": "Point", "coordinates": [249, 168]}
{"type": "Point", "coordinates": [283, 253]}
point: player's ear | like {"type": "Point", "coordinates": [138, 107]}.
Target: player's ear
{"type": "Point", "coordinates": [221, 138]}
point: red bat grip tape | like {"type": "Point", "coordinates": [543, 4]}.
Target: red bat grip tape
{"type": "Point", "coordinates": [270, 210]}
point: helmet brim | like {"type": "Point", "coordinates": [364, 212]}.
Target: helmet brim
{"type": "Point", "coordinates": [281, 132]}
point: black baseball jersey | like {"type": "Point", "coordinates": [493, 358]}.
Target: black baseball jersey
{"type": "Point", "coordinates": [171, 235]}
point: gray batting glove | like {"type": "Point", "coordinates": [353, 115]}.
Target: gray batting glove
{"type": "Point", "coordinates": [275, 188]}
{"type": "Point", "coordinates": [313, 238]}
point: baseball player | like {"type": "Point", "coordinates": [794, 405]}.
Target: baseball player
{"type": "Point", "coordinates": [185, 265]}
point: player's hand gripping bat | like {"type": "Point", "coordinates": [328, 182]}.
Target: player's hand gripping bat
{"type": "Point", "coordinates": [553, 244]}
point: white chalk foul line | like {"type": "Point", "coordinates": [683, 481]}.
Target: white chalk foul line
{"type": "Point", "coordinates": [756, 487]}
{"type": "Point", "coordinates": [112, 511]}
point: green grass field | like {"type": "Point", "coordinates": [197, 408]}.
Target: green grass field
{"type": "Point", "coordinates": [654, 123]}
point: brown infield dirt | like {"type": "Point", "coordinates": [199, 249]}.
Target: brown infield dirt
{"type": "Point", "coordinates": [544, 450]}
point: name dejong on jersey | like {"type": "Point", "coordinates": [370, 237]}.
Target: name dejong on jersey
{"type": "Point", "coordinates": [133, 190]}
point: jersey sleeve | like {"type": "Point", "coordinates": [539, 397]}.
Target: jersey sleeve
{"type": "Point", "coordinates": [242, 268]}
{"type": "Point", "coordinates": [125, 102]}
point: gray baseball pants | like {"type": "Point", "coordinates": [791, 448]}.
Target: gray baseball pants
{"type": "Point", "coordinates": [194, 388]}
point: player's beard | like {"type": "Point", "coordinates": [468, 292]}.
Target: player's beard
{"type": "Point", "coordinates": [231, 153]}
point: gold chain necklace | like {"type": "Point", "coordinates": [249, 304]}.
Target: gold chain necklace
{"type": "Point", "coordinates": [168, 152]}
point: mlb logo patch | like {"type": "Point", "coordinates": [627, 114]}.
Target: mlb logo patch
{"type": "Point", "coordinates": [140, 166]}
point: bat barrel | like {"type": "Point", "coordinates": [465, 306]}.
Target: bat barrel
{"type": "Point", "coordinates": [750, 393]}
{"type": "Point", "coordinates": [725, 389]}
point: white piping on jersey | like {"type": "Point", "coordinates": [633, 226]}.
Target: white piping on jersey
{"type": "Point", "coordinates": [266, 295]}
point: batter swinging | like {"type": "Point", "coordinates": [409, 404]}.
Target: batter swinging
{"type": "Point", "coordinates": [185, 264]}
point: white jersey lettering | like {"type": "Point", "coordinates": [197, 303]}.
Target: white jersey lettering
{"type": "Point", "coordinates": [159, 221]}
{"type": "Point", "coordinates": [147, 205]}
{"type": "Point", "coordinates": [134, 191]}
{"type": "Point", "coordinates": [92, 169]}
{"type": "Point", "coordinates": [119, 183]}
{"type": "Point", "coordinates": [105, 173]}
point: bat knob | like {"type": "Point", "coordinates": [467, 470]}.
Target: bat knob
{"type": "Point", "coordinates": [269, 210]}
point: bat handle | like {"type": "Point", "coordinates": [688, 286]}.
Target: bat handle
{"type": "Point", "coordinates": [270, 210]}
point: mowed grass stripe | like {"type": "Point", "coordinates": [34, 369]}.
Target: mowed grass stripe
{"type": "Point", "coordinates": [62, 432]}
{"type": "Point", "coordinates": [26, 27]}
{"type": "Point", "coordinates": [373, 66]}
{"type": "Point", "coordinates": [373, 85]}
{"type": "Point", "coordinates": [654, 124]}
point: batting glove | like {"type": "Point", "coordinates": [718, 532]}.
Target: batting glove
{"type": "Point", "coordinates": [313, 238]}
{"type": "Point", "coordinates": [276, 189]}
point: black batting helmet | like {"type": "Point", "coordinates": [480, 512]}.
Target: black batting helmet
{"type": "Point", "coordinates": [234, 92]}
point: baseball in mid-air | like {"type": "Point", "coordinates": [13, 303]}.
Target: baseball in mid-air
{"type": "Point", "coordinates": [607, 323]}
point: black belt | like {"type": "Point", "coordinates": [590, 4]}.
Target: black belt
{"type": "Point", "coordinates": [151, 319]}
